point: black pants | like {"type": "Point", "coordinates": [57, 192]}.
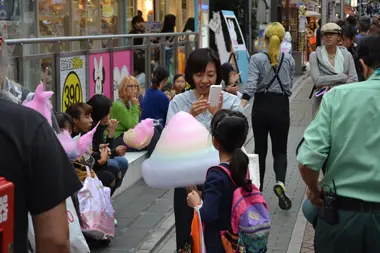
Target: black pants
{"type": "Point", "coordinates": [270, 115]}
{"type": "Point", "coordinates": [356, 232]}
{"type": "Point", "coordinates": [183, 218]}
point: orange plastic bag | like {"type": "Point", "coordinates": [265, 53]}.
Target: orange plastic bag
{"type": "Point", "coordinates": [197, 233]}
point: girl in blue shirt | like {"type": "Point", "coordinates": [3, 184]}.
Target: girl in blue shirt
{"type": "Point", "coordinates": [218, 188]}
{"type": "Point", "coordinates": [156, 103]}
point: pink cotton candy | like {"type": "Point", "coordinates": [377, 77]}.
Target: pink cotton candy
{"type": "Point", "coordinates": [41, 102]}
{"type": "Point", "coordinates": [140, 136]}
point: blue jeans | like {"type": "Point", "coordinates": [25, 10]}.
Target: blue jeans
{"type": "Point", "coordinates": [120, 162]}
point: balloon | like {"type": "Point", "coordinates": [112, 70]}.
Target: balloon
{"type": "Point", "coordinates": [41, 102]}
{"type": "Point", "coordinates": [182, 155]}
{"type": "Point", "coordinates": [140, 136]}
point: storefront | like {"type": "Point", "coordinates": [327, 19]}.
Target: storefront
{"type": "Point", "coordinates": [42, 18]}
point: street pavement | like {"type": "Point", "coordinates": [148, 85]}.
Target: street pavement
{"type": "Point", "coordinates": [145, 215]}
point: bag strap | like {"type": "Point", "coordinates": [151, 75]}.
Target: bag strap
{"type": "Point", "coordinates": [276, 72]}
{"type": "Point", "coordinates": [228, 172]}
{"type": "Point", "coordinates": [88, 171]}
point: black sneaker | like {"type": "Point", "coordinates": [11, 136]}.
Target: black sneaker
{"type": "Point", "coordinates": [283, 199]}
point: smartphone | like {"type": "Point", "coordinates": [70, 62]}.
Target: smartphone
{"type": "Point", "coordinates": [214, 95]}
{"type": "Point", "coordinates": [321, 92]}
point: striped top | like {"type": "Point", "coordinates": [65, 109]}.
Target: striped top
{"type": "Point", "coordinates": [260, 73]}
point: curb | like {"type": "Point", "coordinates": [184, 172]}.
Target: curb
{"type": "Point", "coordinates": [295, 243]}
{"type": "Point", "coordinates": [158, 234]}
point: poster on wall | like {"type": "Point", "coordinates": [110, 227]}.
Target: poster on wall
{"type": "Point", "coordinates": [73, 80]}
{"type": "Point", "coordinates": [122, 67]}
{"type": "Point", "coordinates": [100, 74]}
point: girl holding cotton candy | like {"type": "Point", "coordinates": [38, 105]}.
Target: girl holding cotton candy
{"type": "Point", "coordinates": [203, 69]}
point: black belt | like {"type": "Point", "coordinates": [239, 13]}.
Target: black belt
{"type": "Point", "coordinates": [357, 205]}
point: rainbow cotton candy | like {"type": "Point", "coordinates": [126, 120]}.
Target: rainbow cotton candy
{"type": "Point", "coordinates": [140, 136]}
{"type": "Point", "coordinates": [182, 156]}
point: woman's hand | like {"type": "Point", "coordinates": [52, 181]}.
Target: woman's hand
{"type": "Point", "coordinates": [193, 199]}
{"type": "Point", "coordinates": [233, 89]}
{"type": "Point", "coordinates": [120, 150]}
{"type": "Point", "coordinates": [112, 124]}
{"type": "Point", "coordinates": [199, 106]}
{"type": "Point", "coordinates": [135, 100]}
{"type": "Point", "coordinates": [244, 102]}
{"type": "Point", "coordinates": [214, 110]}
{"type": "Point", "coordinates": [103, 155]}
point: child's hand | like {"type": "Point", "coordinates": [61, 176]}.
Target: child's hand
{"type": "Point", "coordinates": [193, 199]}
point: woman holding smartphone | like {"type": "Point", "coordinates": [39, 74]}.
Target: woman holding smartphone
{"type": "Point", "coordinates": [203, 69]}
{"type": "Point", "coordinates": [270, 81]}
{"type": "Point", "coordinates": [230, 79]}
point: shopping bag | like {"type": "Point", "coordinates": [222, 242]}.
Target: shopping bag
{"type": "Point", "coordinates": [77, 242]}
{"type": "Point", "coordinates": [253, 167]}
{"type": "Point", "coordinates": [96, 209]}
{"type": "Point", "coordinates": [198, 244]}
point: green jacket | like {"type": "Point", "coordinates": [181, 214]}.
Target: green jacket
{"type": "Point", "coordinates": [127, 117]}
{"type": "Point", "coordinates": [346, 134]}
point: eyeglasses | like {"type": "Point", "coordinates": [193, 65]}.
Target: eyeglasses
{"type": "Point", "coordinates": [132, 86]}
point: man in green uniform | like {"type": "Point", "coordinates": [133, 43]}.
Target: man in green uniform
{"type": "Point", "coordinates": [346, 134]}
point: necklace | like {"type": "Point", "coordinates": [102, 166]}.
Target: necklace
{"type": "Point", "coordinates": [331, 57]}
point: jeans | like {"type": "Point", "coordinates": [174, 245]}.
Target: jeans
{"type": "Point", "coordinates": [121, 162]}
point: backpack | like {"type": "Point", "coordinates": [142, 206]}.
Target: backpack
{"type": "Point", "coordinates": [250, 221]}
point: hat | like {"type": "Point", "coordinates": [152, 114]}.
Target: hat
{"type": "Point", "coordinates": [331, 28]}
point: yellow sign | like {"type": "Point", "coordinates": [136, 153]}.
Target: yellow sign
{"type": "Point", "coordinates": [72, 91]}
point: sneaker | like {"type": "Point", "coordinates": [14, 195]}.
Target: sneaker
{"type": "Point", "coordinates": [283, 199]}
{"type": "Point", "coordinates": [115, 222]}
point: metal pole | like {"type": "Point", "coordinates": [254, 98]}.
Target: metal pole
{"type": "Point", "coordinates": [342, 16]}
{"type": "Point", "coordinates": [324, 6]}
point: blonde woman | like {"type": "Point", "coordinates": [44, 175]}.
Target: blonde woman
{"type": "Point", "coordinates": [270, 81]}
{"type": "Point", "coordinates": [126, 109]}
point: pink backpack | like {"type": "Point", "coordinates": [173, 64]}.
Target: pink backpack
{"type": "Point", "coordinates": [250, 221]}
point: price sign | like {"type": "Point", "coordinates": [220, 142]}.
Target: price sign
{"type": "Point", "coordinates": [73, 81]}
{"type": "Point", "coordinates": [72, 91]}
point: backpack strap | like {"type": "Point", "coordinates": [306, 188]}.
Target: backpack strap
{"type": "Point", "coordinates": [276, 74]}
{"type": "Point", "coordinates": [228, 172]}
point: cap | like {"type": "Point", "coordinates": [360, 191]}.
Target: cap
{"type": "Point", "coordinates": [331, 28]}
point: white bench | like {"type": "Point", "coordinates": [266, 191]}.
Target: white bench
{"type": "Point", "coordinates": [135, 159]}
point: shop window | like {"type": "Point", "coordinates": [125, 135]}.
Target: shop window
{"type": "Point", "coordinates": [109, 16]}
{"type": "Point", "coordinates": [146, 7]}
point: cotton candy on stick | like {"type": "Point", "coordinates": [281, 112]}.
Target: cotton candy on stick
{"type": "Point", "coordinates": [140, 136]}
{"type": "Point", "coordinates": [182, 155]}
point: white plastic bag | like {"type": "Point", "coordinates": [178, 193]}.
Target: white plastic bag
{"type": "Point", "coordinates": [96, 209]}
{"type": "Point", "coordinates": [77, 242]}
{"type": "Point", "coordinates": [254, 169]}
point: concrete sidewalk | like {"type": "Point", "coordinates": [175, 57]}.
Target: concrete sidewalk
{"type": "Point", "coordinates": [145, 215]}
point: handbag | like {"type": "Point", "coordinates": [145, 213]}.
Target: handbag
{"type": "Point", "coordinates": [96, 209]}
{"type": "Point", "coordinates": [198, 243]}
{"type": "Point", "coordinates": [78, 243]}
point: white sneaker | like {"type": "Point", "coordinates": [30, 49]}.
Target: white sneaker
{"type": "Point", "coordinates": [115, 222]}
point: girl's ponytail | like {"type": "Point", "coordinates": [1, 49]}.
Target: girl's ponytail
{"type": "Point", "coordinates": [239, 167]}
{"type": "Point", "coordinates": [274, 34]}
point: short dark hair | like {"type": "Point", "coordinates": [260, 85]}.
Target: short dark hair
{"type": "Point", "coordinates": [351, 20]}
{"type": "Point", "coordinates": [177, 76]}
{"type": "Point", "coordinates": [101, 106]}
{"type": "Point", "coordinates": [197, 62]}
{"type": "Point", "coordinates": [348, 32]}
{"type": "Point", "coordinates": [137, 19]}
{"type": "Point", "coordinates": [364, 24]}
{"type": "Point", "coordinates": [63, 118]}
{"type": "Point", "coordinates": [159, 75]}
{"type": "Point", "coordinates": [369, 50]}
{"type": "Point", "coordinates": [75, 110]}
{"type": "Point", "coordinates": [340, 22]}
